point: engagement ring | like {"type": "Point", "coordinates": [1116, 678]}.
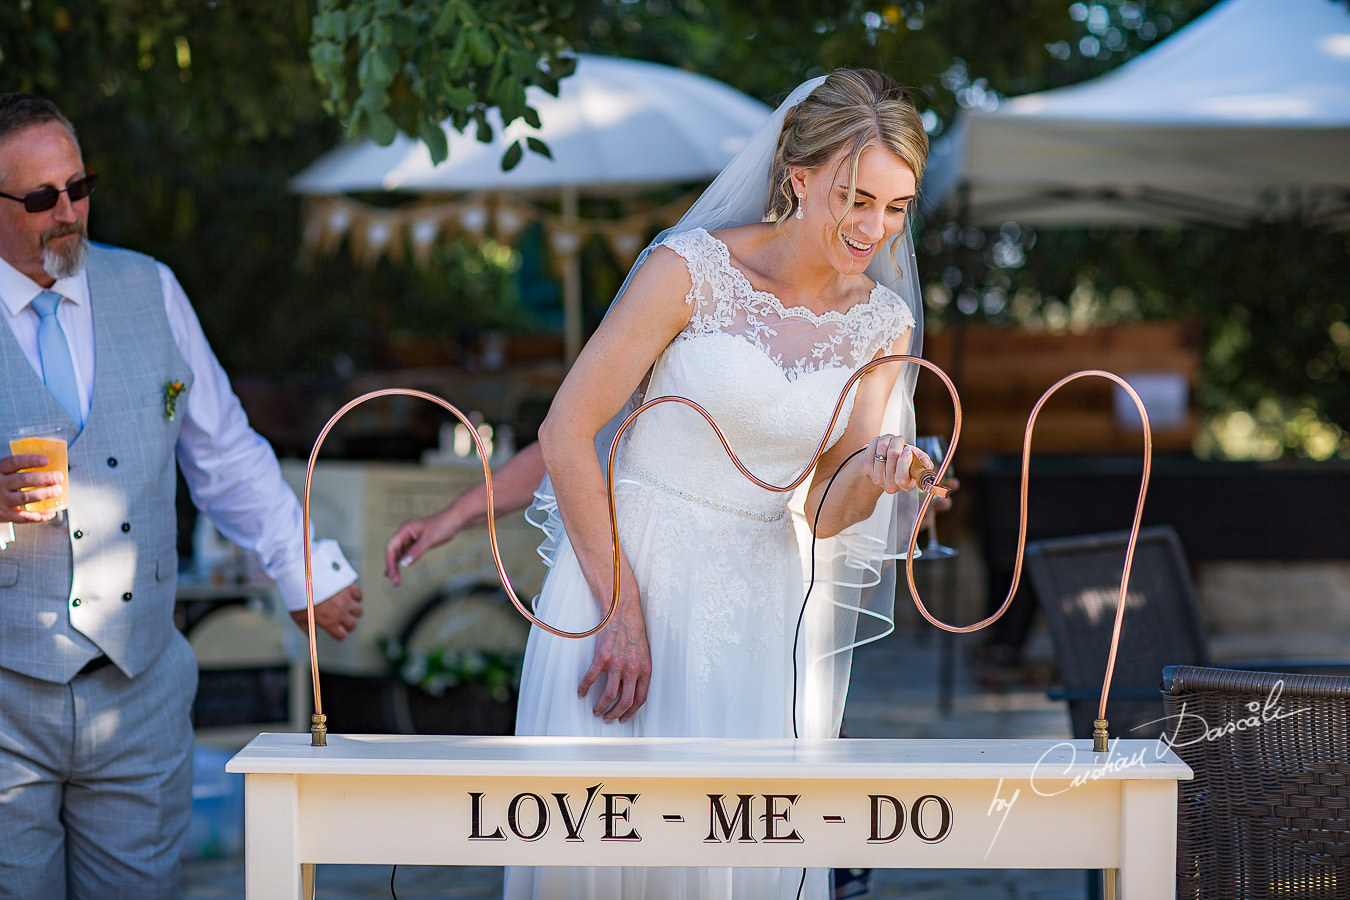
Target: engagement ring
{"type": "Point", "coordinates": [878, 458]}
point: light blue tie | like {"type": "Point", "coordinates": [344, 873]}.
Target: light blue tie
{"type": "Point", "coordinates": [57, 369]}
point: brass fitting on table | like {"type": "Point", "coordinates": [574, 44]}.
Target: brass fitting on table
{"type": "Point", "coordinates": [318, 730]}
{"type": "Point", "coordinates": [1100, 743]}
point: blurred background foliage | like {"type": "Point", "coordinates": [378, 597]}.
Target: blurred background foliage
{"type": "Point", "coordinates": [196, 112]}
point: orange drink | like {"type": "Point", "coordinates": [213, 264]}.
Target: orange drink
{"type": "Point", "coordinates": [48, 441]}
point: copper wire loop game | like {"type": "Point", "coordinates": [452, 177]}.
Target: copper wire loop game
{"type": "Point", "coordinates": [931, 481]}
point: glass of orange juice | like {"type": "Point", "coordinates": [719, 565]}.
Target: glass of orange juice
{"type": "Point", "coordinates": [48, 441]}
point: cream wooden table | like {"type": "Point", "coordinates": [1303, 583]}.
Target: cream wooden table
{"type": "Point", "coordinates": [422, 800]}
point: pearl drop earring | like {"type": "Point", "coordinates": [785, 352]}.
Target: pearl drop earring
{"type": "Point", "coordinates": [801, 198]}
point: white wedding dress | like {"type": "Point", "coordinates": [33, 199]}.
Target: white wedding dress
{"type": "Point", "coordinates": [716, 557]}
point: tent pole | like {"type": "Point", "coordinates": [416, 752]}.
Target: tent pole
{"type": "Point", "coordinates": [956, 321]}
{"type": "Point", "coordinates": [571, 281]}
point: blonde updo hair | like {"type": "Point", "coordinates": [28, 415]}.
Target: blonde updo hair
{"type": "Point", "coordinates": [853, 108]}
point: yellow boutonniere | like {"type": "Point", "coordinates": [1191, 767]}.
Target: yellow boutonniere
{"type": "Point", "coordinates": [172, 390]}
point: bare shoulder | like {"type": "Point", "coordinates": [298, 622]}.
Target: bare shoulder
{"type": "Point", "coordinates": [646, 317]}
{"type": "Point", "coordinates": [664, 272]}
{"type": "Point", "coordinates": [657, 297]}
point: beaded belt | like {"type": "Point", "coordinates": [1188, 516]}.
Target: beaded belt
{"type": "Point", "coordinates": [651, 479]}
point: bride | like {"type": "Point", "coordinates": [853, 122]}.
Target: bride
{"type": "Point", "coordinates": [792, 271]}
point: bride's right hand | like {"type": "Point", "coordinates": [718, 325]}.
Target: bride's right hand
{"type": "Point", "coordinates": [623, 656]}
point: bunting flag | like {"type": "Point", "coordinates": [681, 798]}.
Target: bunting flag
{"type": "Point", "coordinates": [372, 233]}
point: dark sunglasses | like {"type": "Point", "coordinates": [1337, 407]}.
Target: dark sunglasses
{"type": "Point", "coordinates": [45, 198]}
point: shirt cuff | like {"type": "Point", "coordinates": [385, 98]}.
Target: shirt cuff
{"type": "Point", "coordinates": [331, 571]}
{"type": "Point", "coordinates": [6, 534]}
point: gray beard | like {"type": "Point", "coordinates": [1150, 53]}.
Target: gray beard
{"type": "Point", "coordinates": [66, 264]}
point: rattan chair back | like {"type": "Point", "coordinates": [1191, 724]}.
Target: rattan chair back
{"type": "Point", "coordinates": [1268, 812]}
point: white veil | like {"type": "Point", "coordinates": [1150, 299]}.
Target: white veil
{"type": "Point", "coordinates": [852, 598]}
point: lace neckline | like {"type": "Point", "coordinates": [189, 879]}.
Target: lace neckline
{"type": "Point", "coordinates": [724, 257]}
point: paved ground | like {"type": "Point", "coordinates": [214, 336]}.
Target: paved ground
{"type": "Point", "coordinates": [219, 880]}
{"type": "Point", "coordinates": [895, 694]}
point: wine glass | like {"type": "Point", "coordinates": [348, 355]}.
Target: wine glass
{"type": "Point", "coordinates": [936, 448]}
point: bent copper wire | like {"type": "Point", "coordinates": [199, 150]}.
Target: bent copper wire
{"type": "Point", "coordinates": [1100, 725]}
{"type": "Point", "coordinates": [917, 471]}
{"type": "Point", "coordinates": [318, 727]}
{"type": "Point", "coordinates": [931, 480]}
{"type": "Point", "coordinates": [1022, 514]}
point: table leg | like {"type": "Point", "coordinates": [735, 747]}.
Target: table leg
{"type": "Point", "coordinates": [1148, 840]}
{"type": "Point", "coordinates": [272, 838]}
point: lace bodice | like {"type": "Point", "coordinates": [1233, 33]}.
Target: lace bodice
{"type": "Point", "coordinates": [795, 338]}
{"type": "Point", "coordinates": [768, 374]}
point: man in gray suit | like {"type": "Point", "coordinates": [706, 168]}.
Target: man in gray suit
{"type": "Point", "coordinates": [96, 684]}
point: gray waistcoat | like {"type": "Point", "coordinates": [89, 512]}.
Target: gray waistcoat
{"type": "Point", "coordinates": [104, 579]}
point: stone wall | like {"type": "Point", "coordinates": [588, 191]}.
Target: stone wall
{"type": "Point", "coordinates": [1272, 609]}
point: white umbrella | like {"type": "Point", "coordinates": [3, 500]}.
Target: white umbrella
{"type": "Point", "coordinates": [615, 126]}
{"type": "Point", "coordinates": [616, 123]}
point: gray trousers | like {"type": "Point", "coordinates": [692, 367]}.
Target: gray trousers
{"type": "Point", "coordinates": [96, 781]}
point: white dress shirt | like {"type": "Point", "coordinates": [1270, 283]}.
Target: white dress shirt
{"type": "Point", "coordinates": [231, 472]}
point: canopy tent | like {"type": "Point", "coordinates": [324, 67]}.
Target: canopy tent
{"type": "Point", "coordinates": [1242, 116]}
{"type": "Point", "coordinates": [616, 127]}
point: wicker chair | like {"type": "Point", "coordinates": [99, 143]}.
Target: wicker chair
{"type": "Point", "coordinates": [1077, 582]}
{"type": "Point", "coordinates": [1268, 813]}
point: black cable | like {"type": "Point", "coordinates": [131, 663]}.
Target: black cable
{"type": "Point", "coordinates": [393, 892]}
{"type": "Point", "coordinates": [796, 636]}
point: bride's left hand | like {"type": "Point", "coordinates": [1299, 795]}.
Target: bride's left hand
{"type": "Point", "coordinates": [887, 462]}
{"type": "Point", "coordinates": [623, 656]}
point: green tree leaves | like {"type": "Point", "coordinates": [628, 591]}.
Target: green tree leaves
{"type": "Point", "coordinates": [408, 65]}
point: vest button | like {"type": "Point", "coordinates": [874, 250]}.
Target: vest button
{"type": "Point", "coordinates": [112, 462]}
{"type": "Point", "coordinates": [78, 534]}
{"type": "Point", "coordinates": [126, 526]}
{"type": "Point", "coordinates": [75, 602]}
{"type": "Point", "coordinates": [126, 597]}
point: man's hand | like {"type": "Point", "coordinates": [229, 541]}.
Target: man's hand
{"type": "Point", "coordinates": [337, 615]}
{"type": "Point", "coordinates": [12, 484]}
